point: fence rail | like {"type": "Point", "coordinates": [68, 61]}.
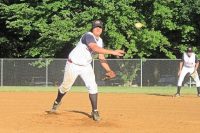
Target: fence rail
{"type": "Point", "coordinates": [130, 72]}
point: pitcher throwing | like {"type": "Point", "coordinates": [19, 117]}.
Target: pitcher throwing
{"type": "Point", "coordinates": [79, 64]}
{"type": "Point", "coordinates": [189, 64]}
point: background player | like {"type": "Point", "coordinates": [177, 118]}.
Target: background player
{"type": "Point", "coordinates": [189, 64]}
{"type": "Point", "coordinates": [79, 64]}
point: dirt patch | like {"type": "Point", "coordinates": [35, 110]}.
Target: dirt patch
{"type": "Point", "coordinates": [120, 113]}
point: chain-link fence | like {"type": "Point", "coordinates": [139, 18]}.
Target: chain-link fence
{"type": "Point", "coordinates": [130, 72]}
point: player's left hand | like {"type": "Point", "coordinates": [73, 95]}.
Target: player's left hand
{"type": "Point", "coordinates": [118, 53]}
{"type": "Point", "coordinates": [194, 74]}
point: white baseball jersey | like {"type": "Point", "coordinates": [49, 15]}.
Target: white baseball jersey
{"type": "Point", "coordinates": [188, 67]}
{"type": "Point", "coordinates": [79, 64]}
{"type": "Point", "coordinates": [189, 61]}
{"type": "Point", "coordinates": [82, 54]}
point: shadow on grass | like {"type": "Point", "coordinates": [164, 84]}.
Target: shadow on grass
{"type": "Point", "coordinates": [80, 112]}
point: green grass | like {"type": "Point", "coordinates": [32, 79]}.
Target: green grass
{"type": "Point", "coordinates": [137, 90]}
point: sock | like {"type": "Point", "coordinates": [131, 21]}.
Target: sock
{"type": "Point", "coordinates": [59, 96]}
{"type": "Point", "coordinates": [93, 100]}
{"type": "Point", "coordinates": [198, 90]}
{"type": "Point", "coordinates": [178, 89]}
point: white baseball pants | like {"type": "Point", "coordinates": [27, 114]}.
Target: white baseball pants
{"type": "Point", "coordinates": [72, 71]}
{"type": "Point", "coordinates": [184, 71]}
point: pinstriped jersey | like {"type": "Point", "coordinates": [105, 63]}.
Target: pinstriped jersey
{"type": "Point", "coordinates": [82, 54]}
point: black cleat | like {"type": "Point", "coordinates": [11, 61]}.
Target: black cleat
{"type": "Point", "coordinates": [95, 115]}
{"type": "Point", "coordinates": [54, 108]}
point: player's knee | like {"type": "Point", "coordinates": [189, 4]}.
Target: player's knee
{"type": "Point", "coordinates": [92, 89]}
{"type": "Point", "coordinates": [198, 84]}
{"type": "Point", "coordinates": [179, 82]}
{"type": "Point", "coordinates": [64, 89]}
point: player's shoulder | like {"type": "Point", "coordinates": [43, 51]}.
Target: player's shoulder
{"type": "Point", "coordinates": [185, 54]}
{"type": "Point", "coordinates": [87, 34]}
{"type": "Point", "coordinates": [91, 34]}
{"type": "Point", "coordinates": [194, 54]}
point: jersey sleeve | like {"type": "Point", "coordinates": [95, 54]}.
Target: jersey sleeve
{"type": "Point", "coordinates": [87, 39]}
{"type": "Point", "coordinates": [196, 59]}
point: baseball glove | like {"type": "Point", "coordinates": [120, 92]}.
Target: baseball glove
{"type": "Point", "coordinates": [109, 75]}
{"type": "Point", "coordinates": [194, 74]}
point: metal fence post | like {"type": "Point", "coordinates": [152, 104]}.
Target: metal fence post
{"type": "Point", "coordinates": [141, 73]}
{"type": "Point", "coordinates": [93, 64]}
{"type": "Point", "coordinates": [46, 72]}
{"type": "Point", "coordinates": [190, 82]}
{"type": "Point", "coordinates": [1, 72]}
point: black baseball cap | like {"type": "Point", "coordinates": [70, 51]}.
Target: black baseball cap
{"type": "Point", "coordinates": [189, 49]}
{"type": "Point", "coordinates": [97, 23]}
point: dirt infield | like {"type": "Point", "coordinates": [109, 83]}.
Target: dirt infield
{"type": "Point", "coordinates": [121, 113]}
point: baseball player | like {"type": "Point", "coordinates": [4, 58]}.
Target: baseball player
{"type": "Point", "coordinates": [188, 65]}
{"type": "Point", "coordinates": [79, 64]}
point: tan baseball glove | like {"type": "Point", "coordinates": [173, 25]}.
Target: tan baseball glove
{"type": "Point", "coordinates": [194, 74]}
{"type": "Point", "coordinates": [109, 75]}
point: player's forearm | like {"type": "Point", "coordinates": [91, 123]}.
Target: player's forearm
{"type": "Point", "coordinates": [197, 65]}
{"type": "Point", "coordinates": [180, 66]}
{"type": "Point", "coordinates": [102, 50]}
{"type": "Point", "coordinates": [105, 66]}
{"type": "Point", "coordinates": [104, 62]}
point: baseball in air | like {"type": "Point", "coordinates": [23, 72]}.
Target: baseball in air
{"type": "Point", "coordinates": [138, 25]}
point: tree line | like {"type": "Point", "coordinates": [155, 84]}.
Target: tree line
{"type": "Point", "coordinates": [51, 28]}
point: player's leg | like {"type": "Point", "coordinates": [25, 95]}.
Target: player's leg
{"type": "Point", "coordinates": [89, 79]}
{"type": "Point", "coordinates": [180, 80]}
{"type": "Point", "coordinates": [197, 84]}
{"type": "Point", "coordinates": [70, 76]}
{"type": "Point", "coordinates": [196, 79]}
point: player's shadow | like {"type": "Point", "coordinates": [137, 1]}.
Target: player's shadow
{"type": "Point", "coordinates": [161, 95]}
{"type": "Point", "coordinates": [80, 112]}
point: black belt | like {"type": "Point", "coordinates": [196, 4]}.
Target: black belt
{"type": "Point", "coordinates": [69, 60]}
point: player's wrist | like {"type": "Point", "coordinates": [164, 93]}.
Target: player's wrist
{"type": "Point", "coordinates": [112, 52]}
{"type": "Point", "coordinates": [108, 70]}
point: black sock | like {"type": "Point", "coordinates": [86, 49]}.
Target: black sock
{"type": "Point", "coordinates": [93, 100]}
{"type": "Point", "coordinates": [59, 96]}
{"type": "Point", "coordinates": [198, 90]}
{"type": "Point", "coordinates": [178, 89]}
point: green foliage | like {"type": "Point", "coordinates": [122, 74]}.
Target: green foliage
{"type": "Point", "coordinates": [41, 63]}
{"type": "Point", "coordinates": [43, 28]}
{"type": "Point", "coordinates": [128, 71]}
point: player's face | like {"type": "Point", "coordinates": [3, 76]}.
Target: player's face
{"type": "Point", "coordinates": [189, 53]}
{"type": "Point", "coordinates": [97, 31]}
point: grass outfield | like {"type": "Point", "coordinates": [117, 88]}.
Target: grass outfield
{"type": "Point", "coordinates": [144, 90]}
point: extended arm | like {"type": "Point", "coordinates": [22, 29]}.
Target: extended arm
{"type": "Point", "coordinates": [94, 47]}
{"type": "Point", "coordinates": [180, 68]}
{"type": "Point", "coordinates": [180, 65]}
{"type": "Point", "coordinates": [196, 63]}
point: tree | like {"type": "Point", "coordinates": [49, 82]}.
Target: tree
{"type": "Point", "coordinates": [44, 28]}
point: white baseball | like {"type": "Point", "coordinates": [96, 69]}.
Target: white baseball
{"type": "Point", "coordinates": [138, 25]}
